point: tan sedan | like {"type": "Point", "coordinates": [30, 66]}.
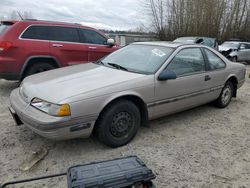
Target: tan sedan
{"type": "Point", "coordinates": [116, 95]}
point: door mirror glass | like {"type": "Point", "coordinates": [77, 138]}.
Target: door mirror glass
{"type": "Point", "coordinates": [167, 75]}
{"type": "Point", "coordinates": [111, 42]}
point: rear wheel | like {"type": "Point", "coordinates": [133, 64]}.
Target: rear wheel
{"type": "Point", "coordinates": [118, 124]}
{"type": "Point", "coordinates": [38, 67]}
{"type": "Point", "coordinates": [226, 95]}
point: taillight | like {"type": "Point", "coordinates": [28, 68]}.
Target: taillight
{"type": "Point", "coordinates": [5, 45]}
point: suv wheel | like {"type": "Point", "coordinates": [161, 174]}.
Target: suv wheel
{"type": "Point", "coordinates": [38, 67]}
{"type": "Point", "coordinates": [225, 96]}
{"type": "Point", "coordinates": [118, 124]}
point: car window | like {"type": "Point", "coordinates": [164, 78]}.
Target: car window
{"type": "Point", "coordinates": [214, 61]}
{"type": "Point", "coordinates": [3, 28]}
{"type": "Point", "coordinates": [145, 59]}
{"type": "Point", "coordinates": [187, 61]}
{"type": "Point", "coordinates": [67, 34]}
{"type": "Point", "coordinates": [55, 33]}
{"type": "Point", "coordinates": [92, 37]}
{"type": "Point", "coordinates": [209, 42]}
{"type": "Point", "coordinates": [37, 32]}
{"type": "Point", "coordinates": [243, 46]}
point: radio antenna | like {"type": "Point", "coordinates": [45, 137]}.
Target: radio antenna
{"type": "Point", "coordinates": [19, 15]}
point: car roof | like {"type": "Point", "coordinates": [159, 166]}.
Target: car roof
{"type": "Point", "coordinates": [237, 42]}
{"type": "Point", "coordinates": [44, 22]}
{"type": "Point", "coordinates": [165, 44]}
{"type": "Point", "coordinates": [195, 37]}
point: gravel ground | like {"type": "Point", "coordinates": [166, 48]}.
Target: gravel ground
{"type": "Point", "coordinates": [202, 147]}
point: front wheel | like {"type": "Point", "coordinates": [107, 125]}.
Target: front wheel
{"type": "Point", "coordinates": [118, 124]}
{"type": "Point", "coordinates": [38, 67]}
{"type": "Point", "coordinates": [226, 95]}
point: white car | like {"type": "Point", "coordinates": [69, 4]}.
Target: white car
{"type": "Point", "coordinates": [236, 51]}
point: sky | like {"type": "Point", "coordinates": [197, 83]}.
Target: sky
{"type": "Point", "coordinates": [101, 14]}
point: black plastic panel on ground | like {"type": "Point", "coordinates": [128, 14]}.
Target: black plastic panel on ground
{"type": "Point", "coordinates": [117, 173]}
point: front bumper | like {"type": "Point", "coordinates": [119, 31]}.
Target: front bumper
{"type": "Point", "coordinates": [56, 128]}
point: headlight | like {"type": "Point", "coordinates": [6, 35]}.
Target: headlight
{"type": "Point", "coordinates": [50, 108]}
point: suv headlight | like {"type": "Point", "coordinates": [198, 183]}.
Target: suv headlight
{"type": "Point", "coordinates": [50, 108]}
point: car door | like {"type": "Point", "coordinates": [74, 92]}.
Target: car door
{"type": "Point", "coordinates": [189, 89]}
{"type": "Point", "coordinates": [96, 44]}
{"type": "Point", "coordinates": [66, 47]}
{"type": "Point", "coordinates": [244, 52]}
{"type": "Point", "coordinates": [216, 71]}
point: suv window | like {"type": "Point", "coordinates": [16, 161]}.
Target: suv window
{"type": "Point", "coordinates": [37, 32]}
{"type": "Point", "coordinates": [67, 34]}
{"type": "Point", "coordinates": [92, 37]}
{"type": "Point", "coordinates": [187, 61]}
{"type": "Point", "coordinates": [3, 28]}
{"type": "Point", "coordinates": [214, 61]}
{"type": "Point", "coordinates": [56, 33]}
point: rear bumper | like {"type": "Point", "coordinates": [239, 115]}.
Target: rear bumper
{"type": "Point", "coordinates": [9, 69]}
{"type": "Point", "coordinates": [56, 128]}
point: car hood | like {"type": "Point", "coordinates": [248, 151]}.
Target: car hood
{"type": "Point", "coordinates": [60, 84]}
{"type": "Point", "coordinates": [224, 48]}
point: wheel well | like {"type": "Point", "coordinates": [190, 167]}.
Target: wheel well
{"type": "Point", "coordinates": [30, 62]}
{"type": "Point", "coordinates": [138, 102]}
{"type": "Point", "coordinates": [234, 81]}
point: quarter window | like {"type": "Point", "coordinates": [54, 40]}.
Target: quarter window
{"type": "Point", "coordinates": [214, 61]}
{"type": "Point", "coordinates": [92, 37]}
{"type": "Point", "coordinates": [188, 61]}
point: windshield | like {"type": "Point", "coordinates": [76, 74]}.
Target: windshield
{"type": "Point", "coordinates": [3, 28]}
{"type": "Point", "coordinates": [185, 39]}
{"type": "Point", "coordinates": [145, 59]}
{"type": "Point", "coordinates": [230, 44]}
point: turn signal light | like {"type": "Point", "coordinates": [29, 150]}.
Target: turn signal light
{"type": "Point", "coordinates": [64, 110]}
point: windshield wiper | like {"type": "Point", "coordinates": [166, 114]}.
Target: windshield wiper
{"type": "Point", "coordinates": [118, 66]}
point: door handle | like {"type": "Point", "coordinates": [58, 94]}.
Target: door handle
{"type": "Point", "coordinates": [57, 45]}
{"type": "Point", "coordinates": [92, 47]}
{"type": "Point", "coordinates": [207, 78]}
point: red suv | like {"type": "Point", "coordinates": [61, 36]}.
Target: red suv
{"type": "Point", "coordinates": [30, 46]}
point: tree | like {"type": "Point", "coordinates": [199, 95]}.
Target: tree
{"type": "Point", "coordinates": [16, 15]}
{"type": "Point", "coordinates": [222, 19]}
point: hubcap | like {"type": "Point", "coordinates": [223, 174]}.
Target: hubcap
{"type": "Point", "coordinates": [122, 124]}
{"type": "Point", "coordinates": [226, 95]}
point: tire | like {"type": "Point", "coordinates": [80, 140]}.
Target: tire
{"type": "Point", "coordinates": [38, 67]}
{"type": "Point", "coordinates": [226, 95]}
{"type": "Point", "coordinates": [118, 124]}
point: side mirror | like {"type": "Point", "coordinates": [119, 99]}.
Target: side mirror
{"type": "Point", "coordinates": [167, 75]}
{"type": "Point", "coordinates": [110, 42]}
